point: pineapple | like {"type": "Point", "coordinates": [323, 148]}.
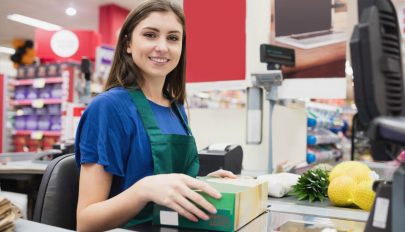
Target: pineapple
{"type": "Point", "coordinates": [312, 185]}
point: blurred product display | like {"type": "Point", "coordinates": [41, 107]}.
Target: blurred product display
{"type": "Point", "coordinates": [38, 95]}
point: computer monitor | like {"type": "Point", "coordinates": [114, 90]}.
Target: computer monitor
{"type": "Point", "coordinates": [379, 91]}
{"type": "Point", "coordinates": [377, 68]}
{"type": "Point", "coordinates": [376, 60]}
{"type": "Point", "coordinates": [316, 30]}
{"type": "Point", "coordinates": [294, 17]}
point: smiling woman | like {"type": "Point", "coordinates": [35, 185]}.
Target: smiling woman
{"type": "Point", "coordinates": [156, 46]}
{"type": "Point", "coordinates": [133, 143]}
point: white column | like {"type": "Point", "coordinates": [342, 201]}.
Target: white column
{"type": "Point", "coordinates": [257, 32]}
{"type": "Point", "coordinates": [258, 13]}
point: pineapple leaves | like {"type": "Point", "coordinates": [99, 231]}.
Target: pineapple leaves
{"type": "Point", "coordinates": [312, 186]}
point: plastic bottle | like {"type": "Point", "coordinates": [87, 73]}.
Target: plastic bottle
{"type": "Point", "coordinates": [31, 122]}
{"type": "Point", "coordinates": [321, 136]}
{"type": "Point", "coordinates": [45, 92]}
{"type": "Point", "coordinates": [32, 93]}
{"type": "Point", "coordinates": [44, 122]}
{"type": "Point", "coordinates": [317, 155]}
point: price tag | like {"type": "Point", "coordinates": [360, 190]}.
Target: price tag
{"type": "Point", "coordinates": [38, 103]}
{"type": "Point", "coordinates": [37, 135]}
{"type": "Point", "coordinates": [19, 112]}
{"type": "Point", "coordinates": [39, 83]}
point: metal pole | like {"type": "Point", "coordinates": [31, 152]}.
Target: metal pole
{"type": "Point", "coordinates": [270, 154]}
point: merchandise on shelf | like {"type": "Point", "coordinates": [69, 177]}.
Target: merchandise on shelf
{"type": "Point", "coordinates": [321, 136]}
{"type": "Point", "coordinates": [325, 153]}
{"type": "Point", "coordinates": [325, 135]}
{"type": "Point", "coordinates": [38, 103]}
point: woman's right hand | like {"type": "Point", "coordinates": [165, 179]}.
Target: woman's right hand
{"type": "Point", "coordinates": [175, 191]}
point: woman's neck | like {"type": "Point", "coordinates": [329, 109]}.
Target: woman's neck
{"type": "Point", "coordinates": [153, 90]}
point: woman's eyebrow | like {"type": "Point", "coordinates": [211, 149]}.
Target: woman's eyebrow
{"type": "Point", "coordinates": [157, 30]}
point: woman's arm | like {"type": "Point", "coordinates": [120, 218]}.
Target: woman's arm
{"type": "Point", "coordinates": [95, 212]}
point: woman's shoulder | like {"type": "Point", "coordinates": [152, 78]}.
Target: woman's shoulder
{"type": "Point", "coordinates": [112, 97]}
{"type": "Point", "coordinates": [116, 99]}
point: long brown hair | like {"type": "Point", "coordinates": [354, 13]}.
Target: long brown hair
{"type": "Point", "coordinates": [124, 71]}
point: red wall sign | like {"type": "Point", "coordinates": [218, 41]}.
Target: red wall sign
{"type": "Point", "coordinates": [66, 44]}
{"type": "Point", "coordinates": [215, 40]}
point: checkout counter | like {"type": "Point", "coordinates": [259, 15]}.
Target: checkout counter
{"type": "Point", "coordinates": [295, 216]}
{"type": "Point", "coordinates": [286, 212]}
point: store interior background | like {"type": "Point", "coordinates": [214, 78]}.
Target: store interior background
{"type": "Point", "coordinates": [209, 125]}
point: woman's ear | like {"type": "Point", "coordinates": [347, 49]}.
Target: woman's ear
{"type": "Point", "coordinates": [128, 45]}
{"type": "Point", "coordinates": [129, 49]}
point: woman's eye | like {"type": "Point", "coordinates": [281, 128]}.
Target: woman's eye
{"type": "Point", "coordinates": [149, 35]}
{"type": "Point", "coordinates": [173, 37]}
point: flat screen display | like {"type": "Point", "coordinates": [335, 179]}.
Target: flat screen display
{"type": "Point", "coordinates": [302, 16]}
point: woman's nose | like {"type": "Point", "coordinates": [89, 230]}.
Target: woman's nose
{"type": "Point", "coordinates": [161, 45]}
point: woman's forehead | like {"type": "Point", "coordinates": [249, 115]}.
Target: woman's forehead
{"type": "Point", "coordinates": [163, 21]}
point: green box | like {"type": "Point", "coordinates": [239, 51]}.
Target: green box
{"type": "Point", "coordinates": [242, 201]}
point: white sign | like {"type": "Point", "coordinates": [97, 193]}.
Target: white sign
{"type": "Point", "coordinates": [64, 43]}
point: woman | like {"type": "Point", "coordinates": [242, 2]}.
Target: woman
{"type": "Point", "coordinates": [133, 144]}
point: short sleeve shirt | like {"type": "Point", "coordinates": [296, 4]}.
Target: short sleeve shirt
{"type": "Point", "coordinates": [111, 133]}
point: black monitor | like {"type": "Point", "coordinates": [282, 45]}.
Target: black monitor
{"type": "Point", "coordinates": [379, 95]}
{"type": "Point", "coordinates": [377, 66]}
{"type": "Point", "coordinates": [302, 16]}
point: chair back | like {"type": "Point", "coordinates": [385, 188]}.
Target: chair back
{"type": "Point", "coordinates": [57, 195]}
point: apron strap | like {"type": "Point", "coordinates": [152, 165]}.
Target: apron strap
{"type": "Point", "coordinates": [146, 113]}
{"type": "Point", "coordinates": [183, 120]}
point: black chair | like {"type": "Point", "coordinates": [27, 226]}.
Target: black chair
{"type": "Point", "coordinates": [58, 193]}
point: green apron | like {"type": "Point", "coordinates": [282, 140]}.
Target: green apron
{"type": "Point", "coordinates": [171, 153]}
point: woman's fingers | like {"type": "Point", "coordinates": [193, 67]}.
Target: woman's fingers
{"type": "Point", "coordinates": [191, 208]}
{"type": "Point", "coordinates": [199, 200]}
{"type": "Point", "coordinates": [183, 212]}
{"type": "Point", "coordinates": [223, 174]}
{"type": "Point", "coordinates": [200, 185]}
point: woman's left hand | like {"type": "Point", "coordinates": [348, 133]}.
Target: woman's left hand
{"type": "Point", "coordinates": [222, 174]}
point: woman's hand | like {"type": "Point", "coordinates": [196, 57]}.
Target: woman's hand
{"type": "Point", "coordinates": [222, 174]}
{"type": "Point", "coordinates": [175, 191]}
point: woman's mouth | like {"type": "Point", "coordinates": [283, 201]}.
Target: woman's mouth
{"type": "Point", "coordinates": [159, 60]}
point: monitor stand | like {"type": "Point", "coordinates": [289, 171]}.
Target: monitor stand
{"type": "Point", "coordinates": [398, 199]}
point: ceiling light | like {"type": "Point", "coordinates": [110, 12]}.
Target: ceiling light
{"type": "Point", "coordinates": [70, 11]}
{"type": "Point", "coordinates": [7, 50]}
{"type": "Point", "coordinates": [34, 22]}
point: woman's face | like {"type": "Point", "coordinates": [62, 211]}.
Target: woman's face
{"type": "Point", "coordinates": [156, 44]}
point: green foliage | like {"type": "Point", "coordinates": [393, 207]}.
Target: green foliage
{"type": "Point", "coordinates": [312, 185]}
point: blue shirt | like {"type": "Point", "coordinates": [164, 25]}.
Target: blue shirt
{"type": "Point", "coordinates": [111, 133]}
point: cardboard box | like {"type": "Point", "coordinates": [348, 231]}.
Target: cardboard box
{"type": "Point", "coordinates": [242, 201]}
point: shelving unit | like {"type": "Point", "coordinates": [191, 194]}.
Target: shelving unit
{"type": "Point", "coordinates": [36, 81]}
{"type": "Point", "coordinates": [38, 132]}
{"type": "Point", "coordinates": [37, 102]}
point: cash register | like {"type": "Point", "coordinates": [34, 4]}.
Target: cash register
{"type": "Point", "coordinates": [220, 156]}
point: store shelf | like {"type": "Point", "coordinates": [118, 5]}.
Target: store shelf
{"type": "Point", "coordinates": [35, 102]}
{"type": "Point", "coordinates": [47, 80]}
{"type": "Point", "coordinates": [30, 132]}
